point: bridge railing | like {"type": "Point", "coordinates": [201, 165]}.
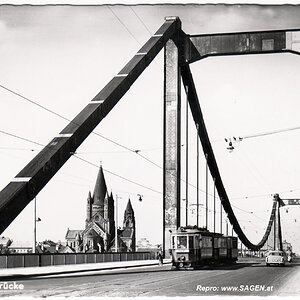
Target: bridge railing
{"type": "Point", "coordinates": [54, 259]}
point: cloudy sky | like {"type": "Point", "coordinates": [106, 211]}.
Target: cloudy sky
{"type": "Point", "coordinates": [62, 56]}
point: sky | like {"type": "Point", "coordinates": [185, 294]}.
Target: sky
{"type": "Point", "coordinates": [62, 56]}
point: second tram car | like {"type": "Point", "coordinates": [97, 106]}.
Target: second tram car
{"type": "Point", "coordinates": [193, 247]}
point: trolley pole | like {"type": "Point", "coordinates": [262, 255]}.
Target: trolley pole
{"type": "Point", "coordinates": [214, 205]}
{"type": "Point", "coordinates": [34, 229]}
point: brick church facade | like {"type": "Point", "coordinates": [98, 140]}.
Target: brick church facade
{"type": "Point", "coordinates": [99, 232]}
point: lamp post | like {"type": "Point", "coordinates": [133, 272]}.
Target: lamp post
{"type": "Point", "coordinates": [183, 206]}
{"type": "Point", "coordinates": [34, 229]}
{"type": "Point", "coordinates": [227, 227]}
{"type": "Point", "coordinates": [214, 204]}
{"type": "Point", "coordinates": [206, 191]}
{"type": "Point", "coordinates": [221, 207]}
{"type": "Point", "coordinates": [187, 159]}
{"type": "Point", "coordinates": [197, 126]}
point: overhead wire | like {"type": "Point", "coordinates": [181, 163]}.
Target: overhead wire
{"type": "Point", "coordinates": [33, 102]}
{"type": "Point", "coordinates": [117, 175]}
{"type": "Point", "coordinates": [18, 149]}
{"type": "Point", "coordinates": [140, 20]}
{"type": "Point", "coordinates": [21, 138]}
{"type": "Point", "coordinates": [270, 132]}
{"type": "Point", "coordinates": [63, 117]}
{"type": "Point", "coordinates": [123, 24]}
{"type": "Point", "coordinates": [241, 138]}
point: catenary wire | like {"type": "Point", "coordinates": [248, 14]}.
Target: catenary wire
{"type": "Point", "coordinates": [123, 24]}
{"type": "Point", "coordinates": [140, 20]}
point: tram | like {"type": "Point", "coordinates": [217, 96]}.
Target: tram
{"type": "Point", "coordinates": [193, 247]}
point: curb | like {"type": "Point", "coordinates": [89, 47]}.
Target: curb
{"type": "Point", "coordinates": [81, 270]}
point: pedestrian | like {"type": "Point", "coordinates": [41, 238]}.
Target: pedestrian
{"type": "Point", "coordinates": [160, 258]}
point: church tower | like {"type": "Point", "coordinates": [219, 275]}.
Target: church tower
{"type": "Point", "coordinates": [100, 224]}
{"type": "Point", "coordinates": [99, 232]}
{"type": "Point", "coordinates": [111, 214]}
{"type": "Point", "coordinates": [128, 233]}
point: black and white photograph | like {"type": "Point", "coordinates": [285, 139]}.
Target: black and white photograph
{"type": "Point", "coordinates": [149, 149]}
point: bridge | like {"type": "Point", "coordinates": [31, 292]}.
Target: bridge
{"type": "Point", "coordinates": [180, 50]}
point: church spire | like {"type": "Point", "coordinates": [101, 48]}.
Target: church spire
{"type": "Point", "coordinates": [100, 189]}
{"type": "Point", "coordinates": [129, 208]}
{"type": "Point", "coordinates": [129, 220]}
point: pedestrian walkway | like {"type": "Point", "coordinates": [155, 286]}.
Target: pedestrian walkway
{"type": "Point", "coordinates": [68, 269]}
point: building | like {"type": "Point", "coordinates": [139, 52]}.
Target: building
{"type": "Point", "coordinates": [99, 232]}
{"type": "Point", "coordinates": [4, 244]}
{"type": "Point", "coordinates": [144, 243]}
{"type": "Point", "coordinates": [126, 236]}
{"type": "Point", "coordinates": [286, 246]}
{"type": "Point", "coordinates": [20, 247]}
{"type": "Point", "coordinates": [74, 240]}
{"type": "Point", "coordinates": [47, 246]}
{"type": "Point", "coordinates": [64, 249]}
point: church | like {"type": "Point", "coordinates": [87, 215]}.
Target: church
{"type": "Point", "coordinates": [99, 232]}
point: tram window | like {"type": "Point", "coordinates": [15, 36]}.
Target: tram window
{"type": "Point", "coordinates": [182, 242]}
{"type": "Point", "coordinates": [191, 242]}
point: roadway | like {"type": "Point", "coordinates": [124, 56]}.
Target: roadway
{"type": "Point", "coordinates": [251, 278]}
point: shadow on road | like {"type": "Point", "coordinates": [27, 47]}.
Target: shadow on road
{"type": "Point", "coordinates": [79, 274]}
{"type": "Point", "coordinates": [157, 269]}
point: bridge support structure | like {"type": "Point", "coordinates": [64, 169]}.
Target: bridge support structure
{"type": "Point", "coordinates": [172, 144]}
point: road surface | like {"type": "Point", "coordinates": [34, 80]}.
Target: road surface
{"type": "Point", "coordinates": [244, 278]}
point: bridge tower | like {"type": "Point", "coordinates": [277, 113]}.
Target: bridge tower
{"type": "Point", "coordinates": [276, 232]}
{"type": "Point", "coordinates": [172, 122]}
{"type": "Point", "coordinates": [277, 224]}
